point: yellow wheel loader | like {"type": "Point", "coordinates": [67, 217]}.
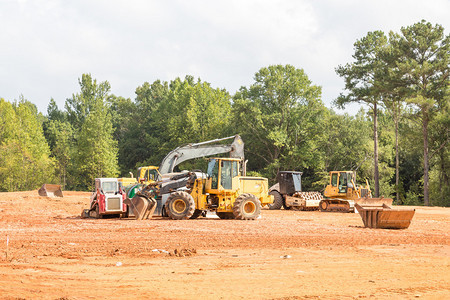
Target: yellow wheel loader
{"type": "Point", "coordinates": [342, 193]}
{"type": "Point", "coordinates": [169, 182]}
{"type": "Point", "coordinates": [223, 189]}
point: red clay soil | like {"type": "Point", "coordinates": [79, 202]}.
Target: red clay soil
{"type": "Point", "coordinates": [54, 254]}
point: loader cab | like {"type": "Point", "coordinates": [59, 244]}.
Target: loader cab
{"type": "Point", "coordinates": [107, 185]}
{"type": "Point", "coordinates": [221, 172]}
{"type": "Point", "coordinates": [148, 174]}
{"type": "Point", "coordinates": [340, 183]}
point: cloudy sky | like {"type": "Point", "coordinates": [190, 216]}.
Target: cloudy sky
{"type": "Point", "coordinates": [47, 45]}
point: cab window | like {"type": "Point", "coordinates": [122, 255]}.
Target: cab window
{"type": "Point", "coordinates": [213, 172]}
{"type": "Point", "coordinates": [109, 186]}
{"type": "Point", "coordinates": [151, 174]}
{"type": "Point", "coordinates": [342, 182]}
{"type": "Point", "coordinates": [234, 169]}
{"type": "Point", "coordinates": [334, 178]}
{"type": "Point", "coordinates": [225, 174]}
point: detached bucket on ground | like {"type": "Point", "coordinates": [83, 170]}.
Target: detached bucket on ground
{"type": "Point", "coordinates": [383, 216]}
{"type": "Point", "coordinates": [50, 190]}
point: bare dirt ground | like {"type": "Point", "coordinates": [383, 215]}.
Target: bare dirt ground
{"type": "Point", "coordinates": [53, 254]}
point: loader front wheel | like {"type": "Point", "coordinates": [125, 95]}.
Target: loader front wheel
{"type": "Point", "coordinates": [277, 200]}
{"type": "Point", "coordinates": [180, 206]}
{"type": "Point", "coordinates": [246, 207]}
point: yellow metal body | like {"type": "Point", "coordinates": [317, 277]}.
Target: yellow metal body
{"type": "Point", "coordinates": [214, 193]}
{"type": "Point", "coordinates": [145, 175]}
{"type": "Point", "coordinates": [148, 174]}
{"type": "Point", "coordinates": [124, 181]}
{"type": "Point", "coordinates": [342, 185]}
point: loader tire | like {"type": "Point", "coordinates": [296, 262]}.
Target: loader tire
{"type": "Point", "coordinates": [180, 206]}
{"type": "Point", "coordinates": [225, 215]}
{"type": "Point", "coordinates": [246, 207]}
{"type": "Point", "coordinates": [277, 200]}
{"type": "Point", "coordinates": [197, 213]}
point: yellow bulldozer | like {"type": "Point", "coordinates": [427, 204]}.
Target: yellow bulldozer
{"type": "Point", "coordinates": [224, 189]}
{"type": "Point", "coordinates": [342, 193]}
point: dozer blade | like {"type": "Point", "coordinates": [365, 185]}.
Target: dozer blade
{"type": "Point", "coordinates": [50, 190]}
{"type": "Point", "coordinates": [374, 201]}
{"type": "Point", "coordinates": [141, 207]}
{"type": "Point", "coordinates": [383, 216]}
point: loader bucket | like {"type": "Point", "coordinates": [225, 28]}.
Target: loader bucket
{"type": "Point", "coordinates": [142, 207]}
{"type": "Point", "coordinates": [50, 190]}
{"type": "Point", "coordinates": [383, 216]}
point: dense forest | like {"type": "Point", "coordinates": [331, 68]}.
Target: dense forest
{"type": "Point", "coordinates": [399, 142]}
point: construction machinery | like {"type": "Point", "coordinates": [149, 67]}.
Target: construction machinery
{"type": "Point", "coordinates": [287, 192]}
{"type": "Point", "coordinates": [342, 193]}
{"type": "Point", "coordinates": [106, 200]}
{"type": "Point", "coordinates": [169, 182]}
{"type": "Point", "coordinates": [384, 216]}
{"type": "Point", "coordinates": [145, 175]}
{"type": "Point", "coordinates": [148, 174]}
{"type": "Point", "coordinates": [224, 189]}
{"type": "Point", "coordinates": [126, 181]}
{"type": "Point", "coordinates": [50, 190]}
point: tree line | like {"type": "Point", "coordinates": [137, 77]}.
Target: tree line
{"type": "Point", "coordinates": [399, 142]}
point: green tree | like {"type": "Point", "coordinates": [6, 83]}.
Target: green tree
{"type": "Point", "coordinates": [61, 134]}
{"type": "Point", "coordinates": [126, 118]}
{"type": "Point", "coordinates": [281, 118]}
{"type": "Point", "coordinates": [363, 78]}
{"type": "Point", "coordinates": [92, 95]}
{"type": "Point", "coordinates": [25, 161]}
{"type": "Point", "coordinates": [424, 54]}
{"type": "Point", "coordinates": [97, 151]}
{"type": "Point", "coordinates": [170, 114]}
{"type": "Point", "coordinates": [346, 144]}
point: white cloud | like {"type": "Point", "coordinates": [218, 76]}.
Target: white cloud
{"type": "Point", "coordinates": [47, 45]}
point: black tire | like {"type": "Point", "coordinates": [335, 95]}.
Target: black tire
{"type": "Point", "coordinates": [180, 206]}
{"type": "Point", "coordinates": [323, 205]}
{"type": "Point", "coordinates": [225, 215]}
{"type": "Point", "coordinates": [197, 213]}
{"type": "Point", "coordinates": [164, 211]}
{"type": "Point", "coordinates": [246, 207]}
{"type": "Point", "coordinates": [277, 200]}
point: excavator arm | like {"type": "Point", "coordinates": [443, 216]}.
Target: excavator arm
{"type": "Point", "coordinates": [208, 148]}
{"type": "Point", "coordinates": [144, 204]}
